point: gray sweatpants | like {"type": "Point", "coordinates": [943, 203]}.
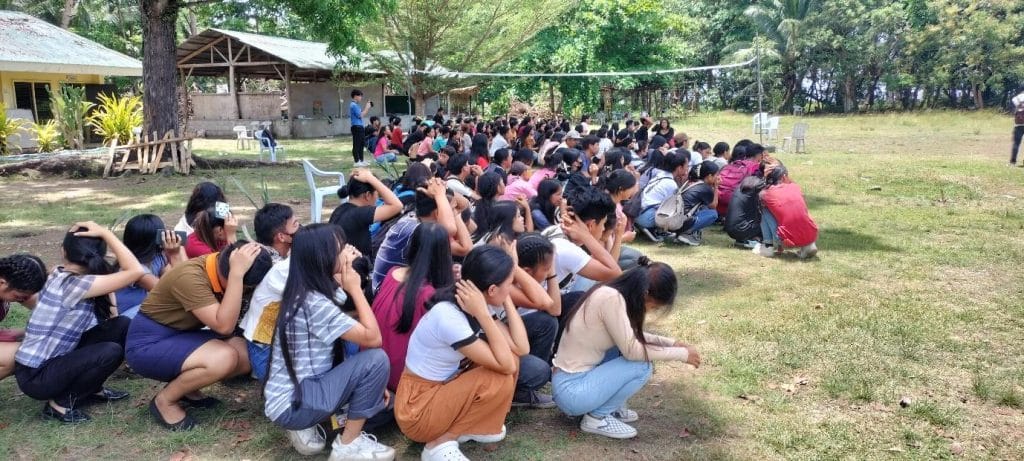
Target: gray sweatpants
{"type": "Point", "coordinates": [359, 381]}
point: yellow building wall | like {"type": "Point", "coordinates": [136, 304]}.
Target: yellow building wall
{"type": "Point", "coordinates": [7, 80]}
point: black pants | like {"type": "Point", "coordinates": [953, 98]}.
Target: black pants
{"type": "Point", "coordinates": [81, 372]}
{"type": "Point", "coordinates": [358, 133]}
{"type": "Point", "coordinates": [1018, 133]}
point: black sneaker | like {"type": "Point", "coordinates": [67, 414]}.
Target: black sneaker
{"type": "Point", "coordinates": [688, 239]}
{"type": "Point", "coordinates": [532, 399]}
{"type": "Point", "coordinates": [70, 415]}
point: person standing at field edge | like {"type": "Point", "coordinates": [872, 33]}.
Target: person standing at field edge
{"type": "Point", "coordinates": [1018, 126]}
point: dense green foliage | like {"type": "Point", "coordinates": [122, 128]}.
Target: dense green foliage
{"type": "Point", "coordinates": [836, 55]}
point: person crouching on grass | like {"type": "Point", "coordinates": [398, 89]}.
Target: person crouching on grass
{"type": "Point", "coordinates": [439, 401]}
{"type": "Point", "coordinates": [74, 339]}
{"type": "Point", "coordinates": [604, 356]}
{"type": "Point", "coordinates": [785, 221]}
{"type": "Point", "coordinates": [22, 277]}
{"type": "Point", "coordinates": [303, 386]}
{"type": "Point", "coordinates": [169, 340]}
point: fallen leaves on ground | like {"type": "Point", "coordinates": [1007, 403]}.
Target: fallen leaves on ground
{"type": "Point", "coordinates": [684, 433]}
{"type": "Point", "coordinates": [182, 455]}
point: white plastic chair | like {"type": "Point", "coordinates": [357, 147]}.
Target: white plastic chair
{"type": "Point", "coordinates": [771, 129]}
{"type": "Point", "coordinates": [317, 194]}
{"type": "Point", "coordinates": [760, 120]}
{"type": "Point", "coordinates": [798, 138]}
{"type": "Point", "coordinates": [265, 146]}
{"type": "Point", "coordinates": [243, 136]}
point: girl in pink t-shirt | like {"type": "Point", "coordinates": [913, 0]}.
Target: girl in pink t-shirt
{"type": "Point", "coordinates": [398, 309]}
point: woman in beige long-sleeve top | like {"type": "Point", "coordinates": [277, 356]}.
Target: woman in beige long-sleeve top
{"type": "Point", "coordinates": [605, 356]}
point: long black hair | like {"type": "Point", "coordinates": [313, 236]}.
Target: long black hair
{"type": "Point", "coordinates": [140, 236]}
{"type": "Point", "coordinates": [487, 187]}
{"type": "Point", "coordinates": [649, 279]}
{"type": "Point", "coordinates": [484, 266]}
{"type": "Point", "coordinates": [23, 272]}
{"type": "Point", "coordinates": [478, 148]}
{"type": "Point", "coordinates": [542, 201]}
{"type": "Point", "coordinates": [311, 269]}
{"type": "Point", "coordinates": [430, 263]}
{"type": "Point", "coordinates": [204, 225]}
{"type": "Point", "coordinates": [204, 196]}
{"type": "Point", "coordinates": [90, 253]}
{"type": "Point", "coordinates": [499, 219]}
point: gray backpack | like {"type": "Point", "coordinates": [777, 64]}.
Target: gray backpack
{"type": "Point", "coordinates": [672, 215]}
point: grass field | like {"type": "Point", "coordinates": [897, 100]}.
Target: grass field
{"type": "Point", "coordinates": [917, 293]}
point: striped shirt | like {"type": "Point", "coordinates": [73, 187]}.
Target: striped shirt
{"type": "Point", "coordinates": [59, 319]}
{"type": "Point", "coordinates": [311, 336]}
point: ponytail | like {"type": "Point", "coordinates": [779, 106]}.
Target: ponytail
{"type": "Point", "coordinates": [90, 253]}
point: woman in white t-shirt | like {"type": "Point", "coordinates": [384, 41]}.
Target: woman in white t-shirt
{"type": "Point", "coordinates": [604, 356]}
{"type": "Point", "coordinates": [304, 387]}
{"type": "Point", "coordinates": [439, 401]}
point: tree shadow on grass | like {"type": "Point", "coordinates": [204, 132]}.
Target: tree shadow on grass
{"type": "Point", "coordinates": [839, 239]}
{"type": "Point", "coordinates": [820, 201]}
{"type": "Point", "coordinates": [706, 281]}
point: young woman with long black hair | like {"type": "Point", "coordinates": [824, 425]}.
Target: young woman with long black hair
{"type": "Point", "coordinates": [74, 339]}
{"type": "Point", "coordinates": [22, 276]}
{"type": "Point", "coordinates": [545, 206]}
{"type": "Point", "coordinates": [604, 356]}
{"type": "Point", "coordinates": [402, 297]}
{"type": "Point", "coordinates": [156, 256]}
{"type": "Point", "coordinates": [204, 196]}
{"type": "Point", "coordinates": [440, 402]}
{"type": "Point", "coordinates": [211, 233]}
{"type": "Point", "coordinates": [304, 387]}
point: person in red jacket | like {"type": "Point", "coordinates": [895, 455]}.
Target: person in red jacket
{"type": "Point", "coordinates": [746, 160]}
{"type": "Point", "coordinates": [785, 221]}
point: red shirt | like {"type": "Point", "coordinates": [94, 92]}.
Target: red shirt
{"type": "Point", "coordinates": [195, 247]}
{"type": "Point", "coordinates": [786, 202]}
{"type": "Point", "coordinates": [396, 136]}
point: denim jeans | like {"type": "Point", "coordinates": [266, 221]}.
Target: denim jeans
{"type": "Point", "coordinates": [702, 219]}
{"type": "Point", "coordinates": [646, 218]}
{"type": "Point", "coordinates": [769, 227]}
{"type": "Point", "coordinates": [601, 390]}
{"type": "Point", "coordinates": [541, 330]}
{"type": "Point", "coordinates": [387, 157]}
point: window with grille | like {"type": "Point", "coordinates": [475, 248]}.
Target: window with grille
{"type": "Point", "coordinates": [34, 96]}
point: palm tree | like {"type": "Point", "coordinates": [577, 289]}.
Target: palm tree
{"type": "Point", "coordinates": [780, 23]}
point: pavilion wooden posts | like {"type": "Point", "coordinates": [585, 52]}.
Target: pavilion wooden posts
{"type": "Point", "coordinates": [149, 154]}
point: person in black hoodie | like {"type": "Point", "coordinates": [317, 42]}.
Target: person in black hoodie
{"type": "Point", "coordinates": [743, 218]}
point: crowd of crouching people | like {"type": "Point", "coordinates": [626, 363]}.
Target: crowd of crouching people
{"type": "Point", "coordinates": [497, 271]}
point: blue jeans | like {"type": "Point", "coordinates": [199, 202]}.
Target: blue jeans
{"type": "Point", "coordinates": [387, 157]}
{"type": "Point", "coordinates": [601, 390]}
{"type": "Point", "coordinates": [646, 218]}
{"type": "Point", "coordinates": [769, 227]}
{"type": "Point", "coordinates": [702, 219]}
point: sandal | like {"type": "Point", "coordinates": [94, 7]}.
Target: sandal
{"type": "Point", "coordinates": [187, 423]}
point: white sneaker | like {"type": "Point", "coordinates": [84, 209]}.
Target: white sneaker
{"type": "Point", "coordinates": [807, 251]}
{"type": "Point", "coordinates": [763, 250]}
{"type": "Point", "coordinates": [491, 438]}
{"type": "Point", "coordinates": [448, 451]}
{"type": "Point", "coordinates": [310, 441]}
{"type": "Point", "coordinates": [625, 415]}
{"type": "Point", "coordinates": [363, 448]}
{"type": "Point", "coordinates": [608, 427]}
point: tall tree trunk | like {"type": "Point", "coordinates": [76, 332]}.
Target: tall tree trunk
{"type": "Point", "coordinates": [68, 13]}
{"type": "Point", "coordinates": [420, 99]}
{"type": "Point", "coordinates": [789, 82]}
{"type": "Point", "coordinates": [849, 95]}
{"type": "Point", "coordinates": [159, 97]}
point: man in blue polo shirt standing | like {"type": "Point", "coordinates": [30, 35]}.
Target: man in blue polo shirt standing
{"type": "Point", "coordinates": [356, 114]}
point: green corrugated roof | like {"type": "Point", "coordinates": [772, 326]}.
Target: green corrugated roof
{"type": "Point", "coordinates": [29, 44]}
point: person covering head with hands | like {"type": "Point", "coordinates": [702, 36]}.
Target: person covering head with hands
{"type": "Point", "coordinates": [604, 356]}
{"type": "Point", "coordinates": [356, 215]}
{"type": "Point", "coordinates": [460, 371]}
{"type": "Point", "coordinates": [213, 232]}
{"type": "Point", "coordinates": [304, 387]}
{"type": "Point", "coordinates": [183, 334]}
{"type": "Point", "coordinates": [22, 276]}
{"type": "Point", "coordinates": [74, 339]}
